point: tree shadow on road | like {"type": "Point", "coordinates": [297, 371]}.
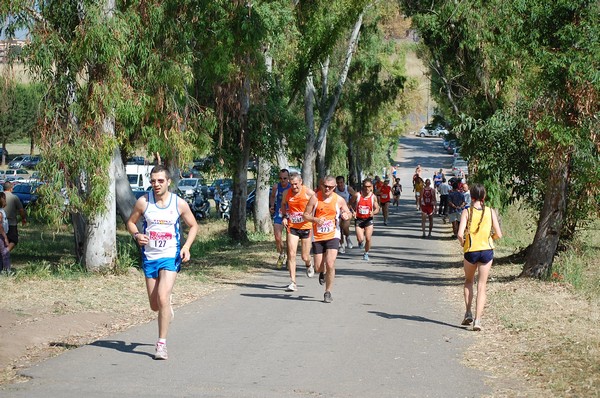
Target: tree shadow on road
{"type": "Point", "coordinates": [281, 297]}
{"type": "Point", "coordinates": [405, 278]}
{"type": "Point", "coordinates": [415, 318]}
{"type": "Point", "coordinates": [122, 346]}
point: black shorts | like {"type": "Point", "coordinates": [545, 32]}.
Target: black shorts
{"type": "Point", "coordinates": [301, 233]}
{"type": "Point", "coordinates": [479, 257]}
{"type": "Point", "coordinates": [12, 234]}
{"type": "Point", "coordinates": [363, 222]}
{"type": "Point", "coordinates": [321, 246]}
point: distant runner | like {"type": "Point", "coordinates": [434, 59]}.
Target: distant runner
{"type": "Point", "coordinates": [365, 207]}
{"type": "Point", "coordinates": [346, 192]}
{"type": "Point", "coordinates": [275, 208]}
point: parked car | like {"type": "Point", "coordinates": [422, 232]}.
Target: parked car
{"type": "Point", "coordinates": [187, 186]}
{"type": "Point", "coordinates": [192, 173]}
{"type": "Point", "coordinates": [460, 167]}
{"type": "Point", "coordinates": [16, 162]}
{"type": "Point", "coordinates": [140, 160]}
{"type": "Point", "coordinates": [26, 193]}
{"type": "Point", "coordinates": [15, 174]}
{"type": "Point", "coordinates": [138, 193]}
{"type": "Point", "coordinates": [31, 162]}
{"type": "Point", "coordinates": [431, 131]}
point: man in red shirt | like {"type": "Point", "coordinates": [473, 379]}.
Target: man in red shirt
{"type": "Point", "coordinates": [385, 193]}
{"type": "Point", "coordinates": [428, 203]}
{"type": "Point", "coordinates": [365, 207]}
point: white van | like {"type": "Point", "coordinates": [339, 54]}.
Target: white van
{"type": "Point", "coordinates": [138, 176]}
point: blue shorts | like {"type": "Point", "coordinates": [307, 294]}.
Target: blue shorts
{"type": "Point", "coordinates": [151, 268]}
{"type": "Point", "coordinates": [278, 219]}
{"type": "Point", "coordinates": [481, 257]}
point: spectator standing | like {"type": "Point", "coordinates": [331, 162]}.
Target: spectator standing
{"type": "Point", "coordinates": [5, 266]}
{"type": "Point", "coordinates": [13, 206]}
{"type": "Point", "coordinates": [456, 202]}
{"type": "Point", "coordinates": [444, 190]}
{"type": "Point", "coordinates": [437, 178]}
{"type": "Point", "coordinates": [467, 193]}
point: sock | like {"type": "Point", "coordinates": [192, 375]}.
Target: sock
{"type": "Point", "coordinates": [162, 341]}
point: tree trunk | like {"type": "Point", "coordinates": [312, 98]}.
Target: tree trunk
{"type": "Point", "coordinates": [237, 221]}
{"type": "Point", "coordinates": [541, 253]}
{"type": "Point", "coordinates": [309, 116]}
{"type": "Point", "coordinates": [354, 179]}
{"type": "Point", "coordinates": [124, 196]}
{"type": "Point", "coordinates": [100, 246]}
{"type": "Point", "coordinates": [262, 217]}
{"type": "Point", "coordinates": [281, 154]}
{"type": "Point", "coordinates": [321, 140]}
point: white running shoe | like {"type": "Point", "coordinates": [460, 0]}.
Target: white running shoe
{"type": "Point", "coordinates": [349, 244]}
{"type": "Point", "coordinates": [161, 351]}
{"type": "Point", "coordinates": [366, 256]}
{"type": "Point", "coordinates": [342, 249]}
{"type": "Point", "coordinates": [291, 287]}
{"type": "Point", "coordinates": [310, 271]}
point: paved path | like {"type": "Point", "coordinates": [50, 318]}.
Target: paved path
{"type": "Point", "coordinates": [388, 333]}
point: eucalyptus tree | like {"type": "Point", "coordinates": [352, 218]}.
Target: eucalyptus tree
{"type": "Point", "coordinates": [375, 98]}
{"type": "Point", "coordinates": [322, 25]}
{"type": "Point", "coordinates": [230, 42]}
{"type": "Point", "coordinates": [521, 81]}
{"type": "Point", "coordinates": [104, 67]}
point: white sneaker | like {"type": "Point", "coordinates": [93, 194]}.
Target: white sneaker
{"type": "Point", "coordinates": [310, 271]}
{"type": "Point", "coordinates": [349, 244]}
{"type": "Point", "coordinates": [291, 287]}
{"type": "Point", "coordinates": [342, 249]}
{"type": "Point", "coordinates": [161, 351]}
{"type": "Point", "coordinates": [366, 256]}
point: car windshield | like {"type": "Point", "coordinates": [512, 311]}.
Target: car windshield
{"type": "Point", "coordinates": [188, 183]}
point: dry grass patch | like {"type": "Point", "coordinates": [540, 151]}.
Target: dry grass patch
{"type": "Point", "coordinates": [541, 335]}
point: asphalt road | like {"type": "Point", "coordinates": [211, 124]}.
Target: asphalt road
{"type": "Point", "coordinates": [390, 331]}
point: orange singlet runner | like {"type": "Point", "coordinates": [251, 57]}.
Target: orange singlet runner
{"type": "Point", "coordinates": [330, 211]}
{"type": "Point", "coordinates": [296, 206]}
